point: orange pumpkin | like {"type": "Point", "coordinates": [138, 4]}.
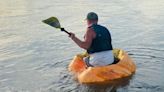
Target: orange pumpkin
{"type": "Point", "coordinates": [90, 75]}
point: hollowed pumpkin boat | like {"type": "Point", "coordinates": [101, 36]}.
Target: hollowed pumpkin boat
{"type": "Point", "coordinates": [125, 67]}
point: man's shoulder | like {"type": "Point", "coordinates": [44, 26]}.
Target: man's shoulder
{"type": "Point", "coordinates": [90, 29]}
{"type": "Point", "coordinates": [91, 32]}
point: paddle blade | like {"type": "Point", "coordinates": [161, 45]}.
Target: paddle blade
{"type": "Point", "coordinates": [52, 21]}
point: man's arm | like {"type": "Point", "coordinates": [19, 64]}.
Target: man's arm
{"type": "Point", "coordinates": [87, 41]}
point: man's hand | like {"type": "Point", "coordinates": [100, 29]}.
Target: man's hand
{"type": "Point", "coordinates": [72, 35]}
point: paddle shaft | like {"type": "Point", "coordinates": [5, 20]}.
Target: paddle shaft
{"type": "Point", "coordinates": [62, 29]}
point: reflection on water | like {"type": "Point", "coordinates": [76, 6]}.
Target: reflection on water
{"type": "Point", "coordinates": [34, 57]}
{"type": "Point", "coordinates": [151, 9]}
{"type": "Point", "coordinates": [111, 87]}
{"type": "Point", "coordinates": [13, 7]}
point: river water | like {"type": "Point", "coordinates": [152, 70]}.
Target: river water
{"type": "Point", "coordinates": [34, 57]}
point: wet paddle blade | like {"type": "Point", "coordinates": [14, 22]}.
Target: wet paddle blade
{"type": "Point", "coordinates": [52, 21]}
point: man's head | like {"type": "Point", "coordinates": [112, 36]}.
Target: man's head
{"type": "Point", "coordinates": [92, 18]}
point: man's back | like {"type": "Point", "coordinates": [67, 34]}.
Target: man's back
{"type": "Point", "coordinates": [102, 41]}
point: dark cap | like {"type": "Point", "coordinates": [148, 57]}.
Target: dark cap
{"type": "Point", "coordinates": [92, 16]}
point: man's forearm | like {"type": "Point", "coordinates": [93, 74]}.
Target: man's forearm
{"type": "Point", "coordinates": [79, 42]}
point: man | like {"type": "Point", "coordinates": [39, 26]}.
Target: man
{"type": "Point", "coordinates": [97, 42]}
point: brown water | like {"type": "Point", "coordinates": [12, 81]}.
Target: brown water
{"type": "Point", "coordinates": [34, 57]}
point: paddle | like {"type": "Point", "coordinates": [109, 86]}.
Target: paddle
{"type": "Point", "coordinates": [54, 22]}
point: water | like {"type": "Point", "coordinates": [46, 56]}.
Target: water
{"type": "Point", "coordinates": [34, 57]}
